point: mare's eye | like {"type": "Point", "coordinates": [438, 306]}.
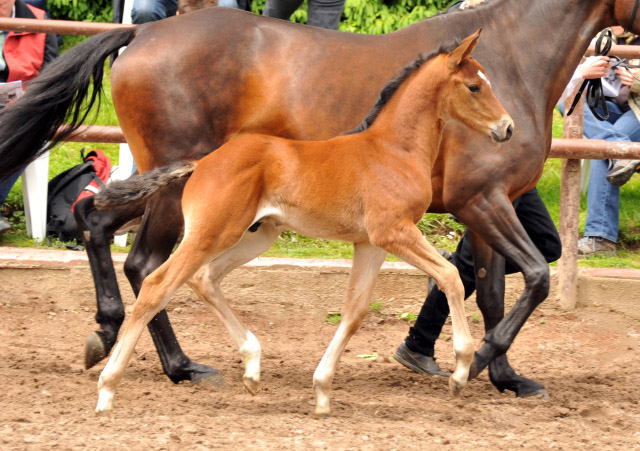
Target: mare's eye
{"type": "Point", "coordinates": [474, 88]}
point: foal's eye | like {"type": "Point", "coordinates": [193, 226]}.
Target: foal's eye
{"type": "Point", "coordinates": [474, 88]}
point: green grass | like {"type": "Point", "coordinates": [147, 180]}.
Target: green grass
{"type": "Point", "coordinates": [439, 229]}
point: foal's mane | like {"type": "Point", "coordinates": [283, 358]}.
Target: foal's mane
{"type": "Point", "coordinates": [390, 88]}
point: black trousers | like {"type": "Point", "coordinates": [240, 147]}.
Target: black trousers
{"type": "Point", "coordinates": [321, 13]}
{"type": "Point", "coordinates": [536, 221]}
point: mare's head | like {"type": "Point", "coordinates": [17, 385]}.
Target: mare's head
{"type": "Point", "coordinates": [467, 94]}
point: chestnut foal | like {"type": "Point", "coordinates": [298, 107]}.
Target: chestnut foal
{"type": "Point", "coordinates": [369, 187]}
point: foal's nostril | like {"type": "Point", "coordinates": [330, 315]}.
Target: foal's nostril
{"type": "Point", "coordinates": [509, 131]}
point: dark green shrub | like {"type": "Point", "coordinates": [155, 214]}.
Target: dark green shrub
{"type": "Point", "coordinates": [375, 16]}
{"type": "Point", "coordinates": [83, 10]}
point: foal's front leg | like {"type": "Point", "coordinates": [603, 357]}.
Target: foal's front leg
{"type": "Point", "coordinates": [406, 241]}
{"type": "Point", "coordinates": [367, 260]}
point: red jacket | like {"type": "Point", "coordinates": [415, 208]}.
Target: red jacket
{"type": "Point", "coordinates": [24, 52]}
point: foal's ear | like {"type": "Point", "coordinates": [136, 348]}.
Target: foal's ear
{"type": "Point", "coordinates": [465, 48]}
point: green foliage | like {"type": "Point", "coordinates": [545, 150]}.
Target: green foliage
{"type": "Point", "coordinates": [408, 317]}
{"type": "Point", "coordinates": [378, 16]}
{"type": "Point", "coordinates": [374, 16]}
{"type": "Point", "coordinates": [82, 10]}
{"type": "Point", "coordinates": [333, 318]}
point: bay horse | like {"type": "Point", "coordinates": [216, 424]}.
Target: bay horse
{"type": "Point", "coordinates": [370, 188]}
{"type": "Point", "coordinates": [188, 84]}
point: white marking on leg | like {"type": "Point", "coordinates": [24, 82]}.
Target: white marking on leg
{"type": "Point", "coordinates": [105, 398]}
{"type": "Point", "coordinates": [250, 352]}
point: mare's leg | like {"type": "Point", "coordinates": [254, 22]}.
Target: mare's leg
{"type": "Point", "coordinates": [153, 297]}
{"type": "Point", "coordinates": [539, 226]}
{"type": "Point", "coordinates": [494, 221]}
{"type": "Point", "coordinates": [156, 237]}
{"type": "Point", "coordinates": [367, 260]}
{"type": "Point", "coordinates": [97, 228]}
{"type": "Point", "coordinates": [206, 283]}
{"type": "Point", "coordinates": [407, 242]}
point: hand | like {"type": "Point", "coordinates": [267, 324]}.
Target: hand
{"type": "Point", "coordinates": [626, 75]}
{"type": "Point", "coordinates": [594, 67]}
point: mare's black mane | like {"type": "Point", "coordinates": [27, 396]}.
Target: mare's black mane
{"type": "Point", "coordinates": [390, 88]}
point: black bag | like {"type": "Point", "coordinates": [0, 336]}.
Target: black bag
{"type": "Point", "coordinates": [64, 190]}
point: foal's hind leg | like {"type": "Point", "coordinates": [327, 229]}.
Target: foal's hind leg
{"type": "Point", "coordinates": [97, 228]}
{"type": "Point", "coordinates": [406, 242]}
{"type": "Point", "coordinates": [156, 237]}
{"type": "Point", "coordinates": [367, 260]}
{"type": "Point", "coordinates": [206, 283]}
{"type": "Point", "coordinates": [154, 295]}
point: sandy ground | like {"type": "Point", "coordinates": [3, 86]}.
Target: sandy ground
{"type": "Point", "coordinates": [587, 359]}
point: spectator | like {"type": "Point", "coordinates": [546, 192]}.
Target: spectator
{"type": "Point", "coordinates": [23, 55]}
{"type": "Point", "coordinates": [623, 102]}
{"type": "Point", "coordinates": [321, 13]}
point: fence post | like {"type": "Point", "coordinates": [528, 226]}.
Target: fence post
{"type": "Point", "coordinates": [568, 224]}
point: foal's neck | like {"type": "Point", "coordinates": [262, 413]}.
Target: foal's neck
{"type": "Point", "coordinates": [413, 119]}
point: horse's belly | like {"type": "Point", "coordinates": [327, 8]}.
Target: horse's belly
{"type": "Point", "coordinates": [330, 225]}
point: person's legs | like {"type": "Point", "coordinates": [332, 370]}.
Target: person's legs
{"type": "Point", "coordinates": [281, 9]}
{"type": "Point", "coordinates": [622, 170]}
{"type": "Point", "coordinates": [603, 200]}
{"type": "Point", "coordinates": [229, 3]}
{"type": "Point", "coordinates": [150, 10]}
{"type": "Point", "coordinates": [325, 13]}
{"type": "Point", "coordinates": [5, 187]}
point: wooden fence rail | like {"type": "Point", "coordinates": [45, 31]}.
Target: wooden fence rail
{"type": "Point", "coordinates": [571, 148]}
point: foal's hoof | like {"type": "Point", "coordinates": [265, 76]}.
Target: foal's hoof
{"type": "Point", "coordinates": [321, 412]}
{"type": "Point", "coordinates": [455, 387]}
{"type": "Point", "coordinates": [105, 414]}
{"type": "Point", "coordinates": [251, 385]}
{"type": "Point", "coordinates": [212, 378]}
{"type": "Point", "coordinates": [94, 350]}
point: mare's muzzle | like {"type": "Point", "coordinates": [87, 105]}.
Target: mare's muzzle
{"type": "Point", "coordinates": [502, 131]}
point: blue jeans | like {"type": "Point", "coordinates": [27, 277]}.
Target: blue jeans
{"type": "Point", "coordinates": [603, 199]}
{"type": "Point", "coordinates": [6, 184]}
{"type": "Point", "coordinates": [149, 10]}
{"type": "Point", "coordinates": [229, 3]}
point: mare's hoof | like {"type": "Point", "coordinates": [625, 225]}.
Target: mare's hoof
{"type": "Point", "coordinates": [211, 378]}
{"type": "Point", "coordinates": [94, 350]}
{"type": "Point", "coordinates": [538, 393]}
{"type": "Point", "coordinates": [251, 385]}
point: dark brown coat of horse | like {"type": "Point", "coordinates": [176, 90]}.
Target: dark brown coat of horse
{"type": "Point", "coordinates": [188, 84]}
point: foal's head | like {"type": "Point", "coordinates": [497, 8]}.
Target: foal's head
{"type": "Point", "coordinates": [467, 93]}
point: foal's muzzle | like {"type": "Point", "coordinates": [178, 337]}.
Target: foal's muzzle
{"type": "Point", "coordinates": [503, 130]}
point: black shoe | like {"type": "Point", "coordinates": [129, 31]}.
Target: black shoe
{"type": "Point", "coordinates": [446, 254]}
{"type": "Point", "coordinates": [622, 171]}
{"type": "Point", "coordinates": [4, 225]}
{"type": "Point", "coordinates": [418, 362]}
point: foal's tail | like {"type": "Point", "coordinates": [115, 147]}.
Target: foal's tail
{"type": "Point", "coordinates": [59, 94]}
{"type": "Point", "coordinates": [138, 188]}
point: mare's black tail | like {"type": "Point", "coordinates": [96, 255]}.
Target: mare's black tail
{"type": "Point", "coordinates": [138, 188]}
{"type": "Point", "coordinates": [56, 96]}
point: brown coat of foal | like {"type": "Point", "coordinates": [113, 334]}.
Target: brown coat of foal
{"type": "Point", "coordinates": [370, 188]}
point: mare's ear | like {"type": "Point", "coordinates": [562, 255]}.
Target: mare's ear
{"type": "Point", "coordinates": [465, 48]}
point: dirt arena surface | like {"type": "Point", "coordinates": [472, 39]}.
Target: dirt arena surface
{"type": "Point", "coordinates": [587, 359]}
